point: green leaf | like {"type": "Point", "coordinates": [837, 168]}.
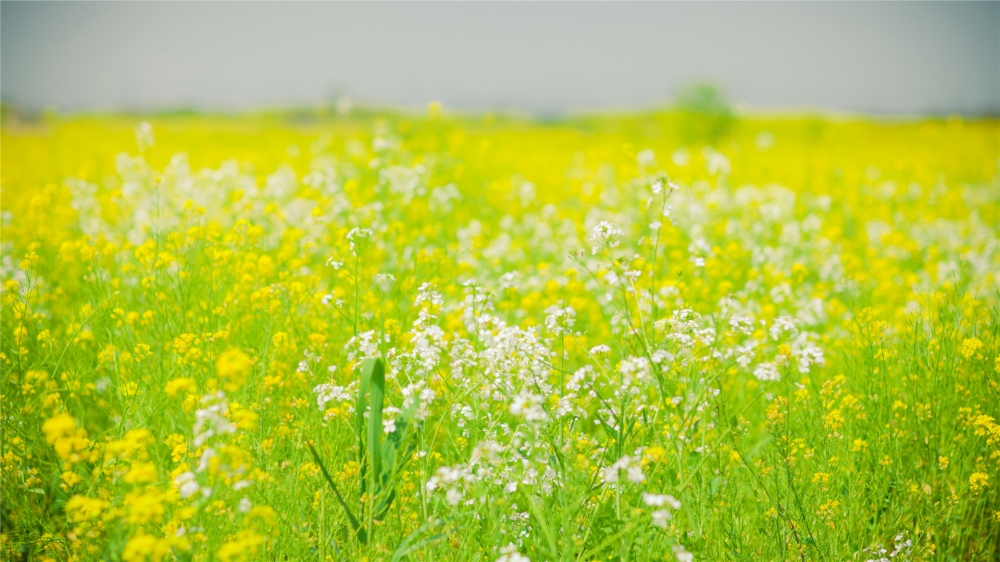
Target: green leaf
{"type": "Point", "coordinates": [359, 421]}
{"type": "Point", "coordinates": [369, 437]}
{"type": "Point", "coordinates": [607, 428]}
{"type": "Point", "coordinates": [382, 509]}
{"type": "Point", "coordinates": [391, 460]}
{"type": "Point", "coordinates": [383, 459]}
{"type": "Point", "coordinates": [411, 544]}
{"type": "Point", "coordinates": [714, 485]}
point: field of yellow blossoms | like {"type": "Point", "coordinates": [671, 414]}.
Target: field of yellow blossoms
{"type": "Point", "coordinates": [397, 336]}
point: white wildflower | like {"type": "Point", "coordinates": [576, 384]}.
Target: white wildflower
{"type": "Point", "coordinates": [631, 467]}
{"type": "Point", "coordinates": [356, 235]}
{"type": "Point", "coordinates": [600, 350]}
{"type": "Point", "coordinates": [528, 406]}
{"type": "Point", "coordinates": [660, 500]}
{"type": "Point", "coordinates": [210, 419]}
{"type": "Point", "coordinates": [660, 518]}
{"type": "Point", "coordinates": [144, 136]}
{"type": "Point", "coordinates": [186, 484]}
{"type": "Point", "coordinates": [606, 234]}
{"type": "Point", "coordinates": [767, 372]}
{"type": "Point", "coordinates": [509, 553]}
{"type": "Point", "coordinates": [329, 393]}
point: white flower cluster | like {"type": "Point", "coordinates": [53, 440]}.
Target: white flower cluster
{"type": "Point", "coordinates": [403, 182]}
{"type": "Point", "coordinates": [684, 327]}
{"type": "Point", "coordinates": [741, 325]}
{"type": "Point", "coordinates": [420, 393]}
{"type": "Point", "coordinates": [636, 372]}
{"type": "Point", "coordinates": [428, 339]}
{"type": "Point", "coordinates": [144, 136]}
{"type": "Point", "coordinates": [510, 553]}
{"type": "Point", "coordinates": [631, 467]}
{"type": "Point", "coordinates": [529, 406]}
{"type": "Point", "coordinates": [767, 372]}
{"type": "Point", "coordinates": [451, 478]}
{"type": "Point", "coordinates": [210, 419]}
{"type": "Point", "coordinates": [560, 320]}
{"type": "Point", "coordinates": [328, 392]}
{"type": "Point", "coordinates": [355, 236]}
{"type": "Point", "coordinates": [901, 547]}
{"type": "Point", "coordinates": [682, 554]}
{"type": "Point", "coordinates": [362, 346]}
{"type": "Point", "coordinates": [661, 516]}
{"type": "Point", "coordinates": [605, 234]}
{"type": "Point", "coordinates": [210, 424]}
{"type": "Point", "coordinates": [187, 485]}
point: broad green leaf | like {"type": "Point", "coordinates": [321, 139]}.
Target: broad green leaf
{"type": "Point", "coordinates": [373, 381]}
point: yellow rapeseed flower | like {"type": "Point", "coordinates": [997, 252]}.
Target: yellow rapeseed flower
{"type": "Point", "coordinates": [60, 425]}
{"type": "Point", "coordinates": [242, 548]}
{"type": "Point", "coordinates": [141, 473]}
{"type": "Point", "coordinates": [145, 506]}
{"type": "Point", "coordinates": [970, 347]}
{"type": "Point", "coordinates": [181, 384]}
{"type": "Point", "coordinates": [978, 481]}
{"type": "Point", "coordinates": [83, 508]}
{"type": "Point", "coordinates": [143, 548]}
{"type": "Point", "coordinates": [233, 366]}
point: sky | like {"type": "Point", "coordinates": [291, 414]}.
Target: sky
{"type": "Point", "coordinates": [560, 57]}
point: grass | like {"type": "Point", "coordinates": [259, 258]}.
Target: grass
{"type": "Point", "coordinates": [444, 337]}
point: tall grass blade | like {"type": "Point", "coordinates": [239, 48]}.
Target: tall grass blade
{"type": "Point", "coordinates": [362, 535]}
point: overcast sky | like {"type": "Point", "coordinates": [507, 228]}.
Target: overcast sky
{"type": "Point", "coordinates": [897, 57]}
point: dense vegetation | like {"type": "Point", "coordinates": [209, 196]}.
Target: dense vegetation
{"type": "Point", "coordinates": [663, 336]}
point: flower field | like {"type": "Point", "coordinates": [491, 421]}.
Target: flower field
{"type": "Point", "coordinates": [440, 337]}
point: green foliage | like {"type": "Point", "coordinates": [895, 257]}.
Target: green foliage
{"type": "Point", "coordinates": [380, 462]}
{"type": "Point", "coordinates": [706, 115]}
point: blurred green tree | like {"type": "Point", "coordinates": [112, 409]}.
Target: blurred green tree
{"type": "Point", "coordinates": [705, 114]}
